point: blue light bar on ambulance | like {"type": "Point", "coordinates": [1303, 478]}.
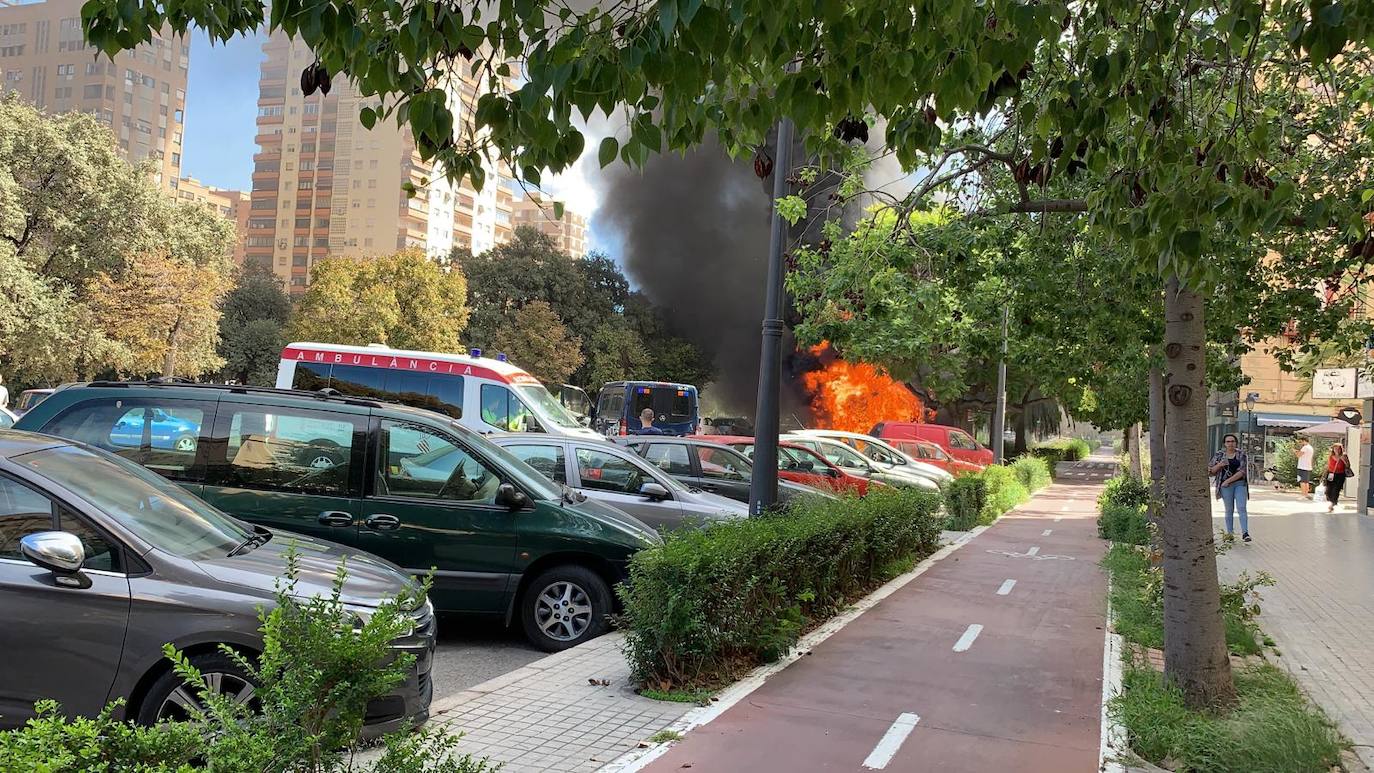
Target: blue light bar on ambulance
{"type": "Point", "coordinates": [475, 352]}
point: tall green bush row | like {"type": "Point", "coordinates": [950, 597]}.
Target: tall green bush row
{"type": "Point", "coordinates": [1122, 511]}
{"type": "Point", "coordinates": [1033, 473]}
{"type": "Point", "coordinates": [710, 604]}
{"type": "Point", "coordinates": [964, 500]}
{"type": "Point", "coordinates": [1004, 492]}
{"type": "Point", "coordinates": [1071, 449]}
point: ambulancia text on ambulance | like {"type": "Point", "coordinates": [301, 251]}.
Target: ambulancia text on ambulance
{"type": "Point", "coordinates": [484, 394]}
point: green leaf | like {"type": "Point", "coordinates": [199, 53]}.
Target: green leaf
{"type": "Point", "coordinates": [1189, 243]}
{"type": "Point", "coordinates": [606, 153]}
{"type": "Point", "coordinates": [688, 10]}
{"type": "Point", "coordinates": [558, 210]}
{"type": "Point", "coordinates": [368, 117]}
{"type": "Point", "coordinates": [667, 16]}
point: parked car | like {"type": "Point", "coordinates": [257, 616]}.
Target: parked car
{"type": "Point", "coordinates": [956, 442]}
{"type": "Point", "coordinates": [616, 476]}
{"type": "Point", "coordinates": [504, 542]}
{"type": "Point", "coordinates": [702, 464]}
{"type": "Point", "coordinates": [7, 418]}
{"type": "Point", "coordinates": [484, 394]}
{"type": "Point", "coordinates": [886, 456]}
{"type": "Point", "coordinates": [28, 398]}
{"type": "Point", "coordinates": [619, 404]}
{"type": "Point", "coordinates": [102, 563]}
{"type": "Point", "coordinates": [847, 458]}
{"type": "Point", "coordinates": [804, 466]}
{"type": "Point", "coordinates": [928, 452]}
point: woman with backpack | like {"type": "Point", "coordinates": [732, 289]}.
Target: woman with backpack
{"type": "Point", "coordinates": [1337, 470]}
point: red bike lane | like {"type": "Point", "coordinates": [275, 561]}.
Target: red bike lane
{"type": "Point", "coordinates": [991, 660]}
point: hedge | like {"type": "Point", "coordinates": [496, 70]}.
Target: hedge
{"type": "Point", "coordinates": [1073, 449]}
{"type": "Point", "coordinates": [710, 604]}
{"type": "Point", "coordinates": [1004, 492]}
{"type": "Point", "coordinates": [1033, 473]}
{"type": "Point", "coordinates": [964, 500]}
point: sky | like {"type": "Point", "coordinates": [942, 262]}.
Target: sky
{"type": "Point", "coordinates": [221, 121]}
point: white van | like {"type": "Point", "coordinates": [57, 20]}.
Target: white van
{"type": "Point", "coordinates": [484, 394]}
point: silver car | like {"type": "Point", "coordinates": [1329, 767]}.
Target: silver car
{"type": "Point", "coordinates": [102, 562]}
{"type": "Point", "coordinates": [618, 477]}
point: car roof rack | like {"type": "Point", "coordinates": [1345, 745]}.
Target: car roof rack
{"type": "Point", "coordinates": [326, 394]}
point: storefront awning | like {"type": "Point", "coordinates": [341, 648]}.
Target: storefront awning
{"type": "Point", "coordinates": [1288, 420]}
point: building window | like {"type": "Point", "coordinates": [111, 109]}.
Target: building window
{"type": "Point", "coordinates": [263, 204]}
{"type": "Point", "coordinates": [312, 108]}
{"type": "Point", "coordinates": [260, 222]}
{"type": "Point", "coordinates": [11, 51]}
{"type": "Point", "coordinates": [258, 241]}
{"type": "Point", "coordinates": [149, 82]}
{"type": "Point", "coordinates": [176, 159]}
{"type": "Point", "coordinates": [269, 110]}
{"type": "Point", "coordinates": [321, 222]}
{"type": "Point", "coordinates": [305, 185]}
{"type": "Point", "coordinates": [307, 165]}
{"type": "Point", "coordinates": [177, 116]}
{"type": "Point", "coordinates": [66, 71]}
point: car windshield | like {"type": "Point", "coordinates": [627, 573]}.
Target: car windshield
{"type": "Point", "coordinates": [547, 407]}
{"type": "Point", "coordinates": [529, 478]}
{"type": "Point", "coordinates": [843, 455]}
{"type": "Point", "coordinates": [160, 512]}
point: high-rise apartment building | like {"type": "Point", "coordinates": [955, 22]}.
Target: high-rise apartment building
{"type": "Point", "coordinates": [324, 186]}
{"type": "Point", "coordinates": [140, 94]}
{"type": "Point", "coordinates": [232, 205]}
{"type": "Point", "coordinates": [568, 232]}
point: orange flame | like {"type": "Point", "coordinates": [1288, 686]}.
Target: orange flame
{"type": "Point", "coordinates": [854, 396]}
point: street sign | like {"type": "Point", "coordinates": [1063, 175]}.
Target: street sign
{"type": "Point", "coordinates": [1335, 383]}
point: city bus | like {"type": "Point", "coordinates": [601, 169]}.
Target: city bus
{"type": "Point", "coordinates": [484, 394]}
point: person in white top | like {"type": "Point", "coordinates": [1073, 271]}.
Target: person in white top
{"type": "Point", "coordinates": [4, 394]}
{"type": "Point", "coordinates": [1305, 455]}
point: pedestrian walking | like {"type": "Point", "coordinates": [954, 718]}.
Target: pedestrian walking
{"type": "Point", "coordinates": [1228, 469]}
{"type": "Point", "coordinates": [1305, 456]}
{"type": "Point", "coordinates": [4, 394]}
{"type": "Point", "coordinates": [1337, 470]}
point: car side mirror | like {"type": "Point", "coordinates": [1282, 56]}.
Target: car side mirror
{"type": "Point", "coordinates": [585, 421]}
{"type": "Point", "coordinates": [59, 552]}
{"type": "Point", "coordinates": [654, 491]}
{"type": "Point", "coordinates": [507, 496]}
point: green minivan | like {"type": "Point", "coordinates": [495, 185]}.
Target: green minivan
{"type": "Point", "coordinates": [409, 485]}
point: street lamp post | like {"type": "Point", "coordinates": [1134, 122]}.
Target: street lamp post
{"type": "Point", "coordinates": [1250, 399]}
{"type": "Point", "coordinates": [999, 411]}
{"type": "Point", "coordinates": [763, 484]}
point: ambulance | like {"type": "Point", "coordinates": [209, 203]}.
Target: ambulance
{"type": "Point", "coordinates": [484, 394]}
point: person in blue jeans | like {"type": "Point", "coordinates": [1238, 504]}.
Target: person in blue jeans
{"type": "Point", "coordinates": [1228, 470]}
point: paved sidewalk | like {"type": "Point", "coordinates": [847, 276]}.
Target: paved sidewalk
{"type": "Point", "coordinates": [991, 660]}
{"type": "Point", "coordinates": [1321, 612]}
{"type": "Point", "coordinates": [548, 716]}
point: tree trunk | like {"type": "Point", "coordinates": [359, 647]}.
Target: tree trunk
{"type": "Point", "coordinates": [1022, 444]}
{"type": "Point", "coordinates": [1195, 656]}
{"type": "Point", "coordinates": [1157, 414]}
{"type": "Point", "coordinates": [169, 361]}
{"type": "Point", "coordinates": [1133, 451]}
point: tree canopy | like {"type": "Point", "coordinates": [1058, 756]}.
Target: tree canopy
{"type": "Point", "coordinates": [535, 339]}
{"type": "Point", "coordinates": [404, 300]}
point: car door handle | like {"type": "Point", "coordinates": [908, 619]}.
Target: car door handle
{"type": "Point", "coordinates": [383, 522]}
{"type": "Point", "coordinates": [336, 518]}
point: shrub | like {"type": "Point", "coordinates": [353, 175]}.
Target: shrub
{"type": "Point", "coordinates": [1052, 455]}
{"type": "Point", "coordinates": [321, 665]}
{"type": "Point", "coordinates": [1073, 449]}
{"type": "Point", "coordinates": [1034, 474]}
{"type": "Point", "coordinates": [1285, 460]}
{"type": "Point", "coordinates": [710, 604]}
{"type": "Point", "coordinates": [1123, 523]}
{"type": "Point", "coordinates": [964, 500]}
{"type": "Point", "coordinates": [1125, 490]}
{"type": "Point", "coordinates": [1004, 492]}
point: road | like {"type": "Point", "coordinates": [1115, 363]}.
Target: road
{"type": "Point", "coordinates": [472, 651]}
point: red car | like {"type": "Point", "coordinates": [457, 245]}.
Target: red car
{"type": "Point", "coordinates": [804, 466]}
{"type": "Point", "coordinates": [928, 452]}
{"type": "Point", "coordinates": [952, 440]}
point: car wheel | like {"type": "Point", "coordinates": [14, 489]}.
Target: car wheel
{"type": "Point", "coordinates": [321, 455]}
{"type": "Point", "coordinates": [564, 607]}
{"type": "Point", "coordinates": [171, 699]}
{"type": "Point", "coordinates": [185, 444]}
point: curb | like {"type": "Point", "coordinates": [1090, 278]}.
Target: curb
{"type": "Point", "coordinates": [1114, 745]}
{"type": "Point", "coordinates": [638, 758]}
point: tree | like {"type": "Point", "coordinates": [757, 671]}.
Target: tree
{"type": "Point", "coordinates": [1195, 125]}
{"type": "Point", "coordinates": [404, 300]}
{"type": "Point", "coordinates": [617, 353]}
{"type": "Point", "coordinates": [585, 294]}
{"type": "Point", "coordinates": [161, 315]}
{"type": "Point", "coordinates": [251, 327]}
{"type": "Point", "coordinates": [535, 338]}
{"type": "Point", "coordinates": [76, 222]}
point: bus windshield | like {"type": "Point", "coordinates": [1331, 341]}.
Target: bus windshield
{"type": "Point", "coordinates": [547, 407]}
